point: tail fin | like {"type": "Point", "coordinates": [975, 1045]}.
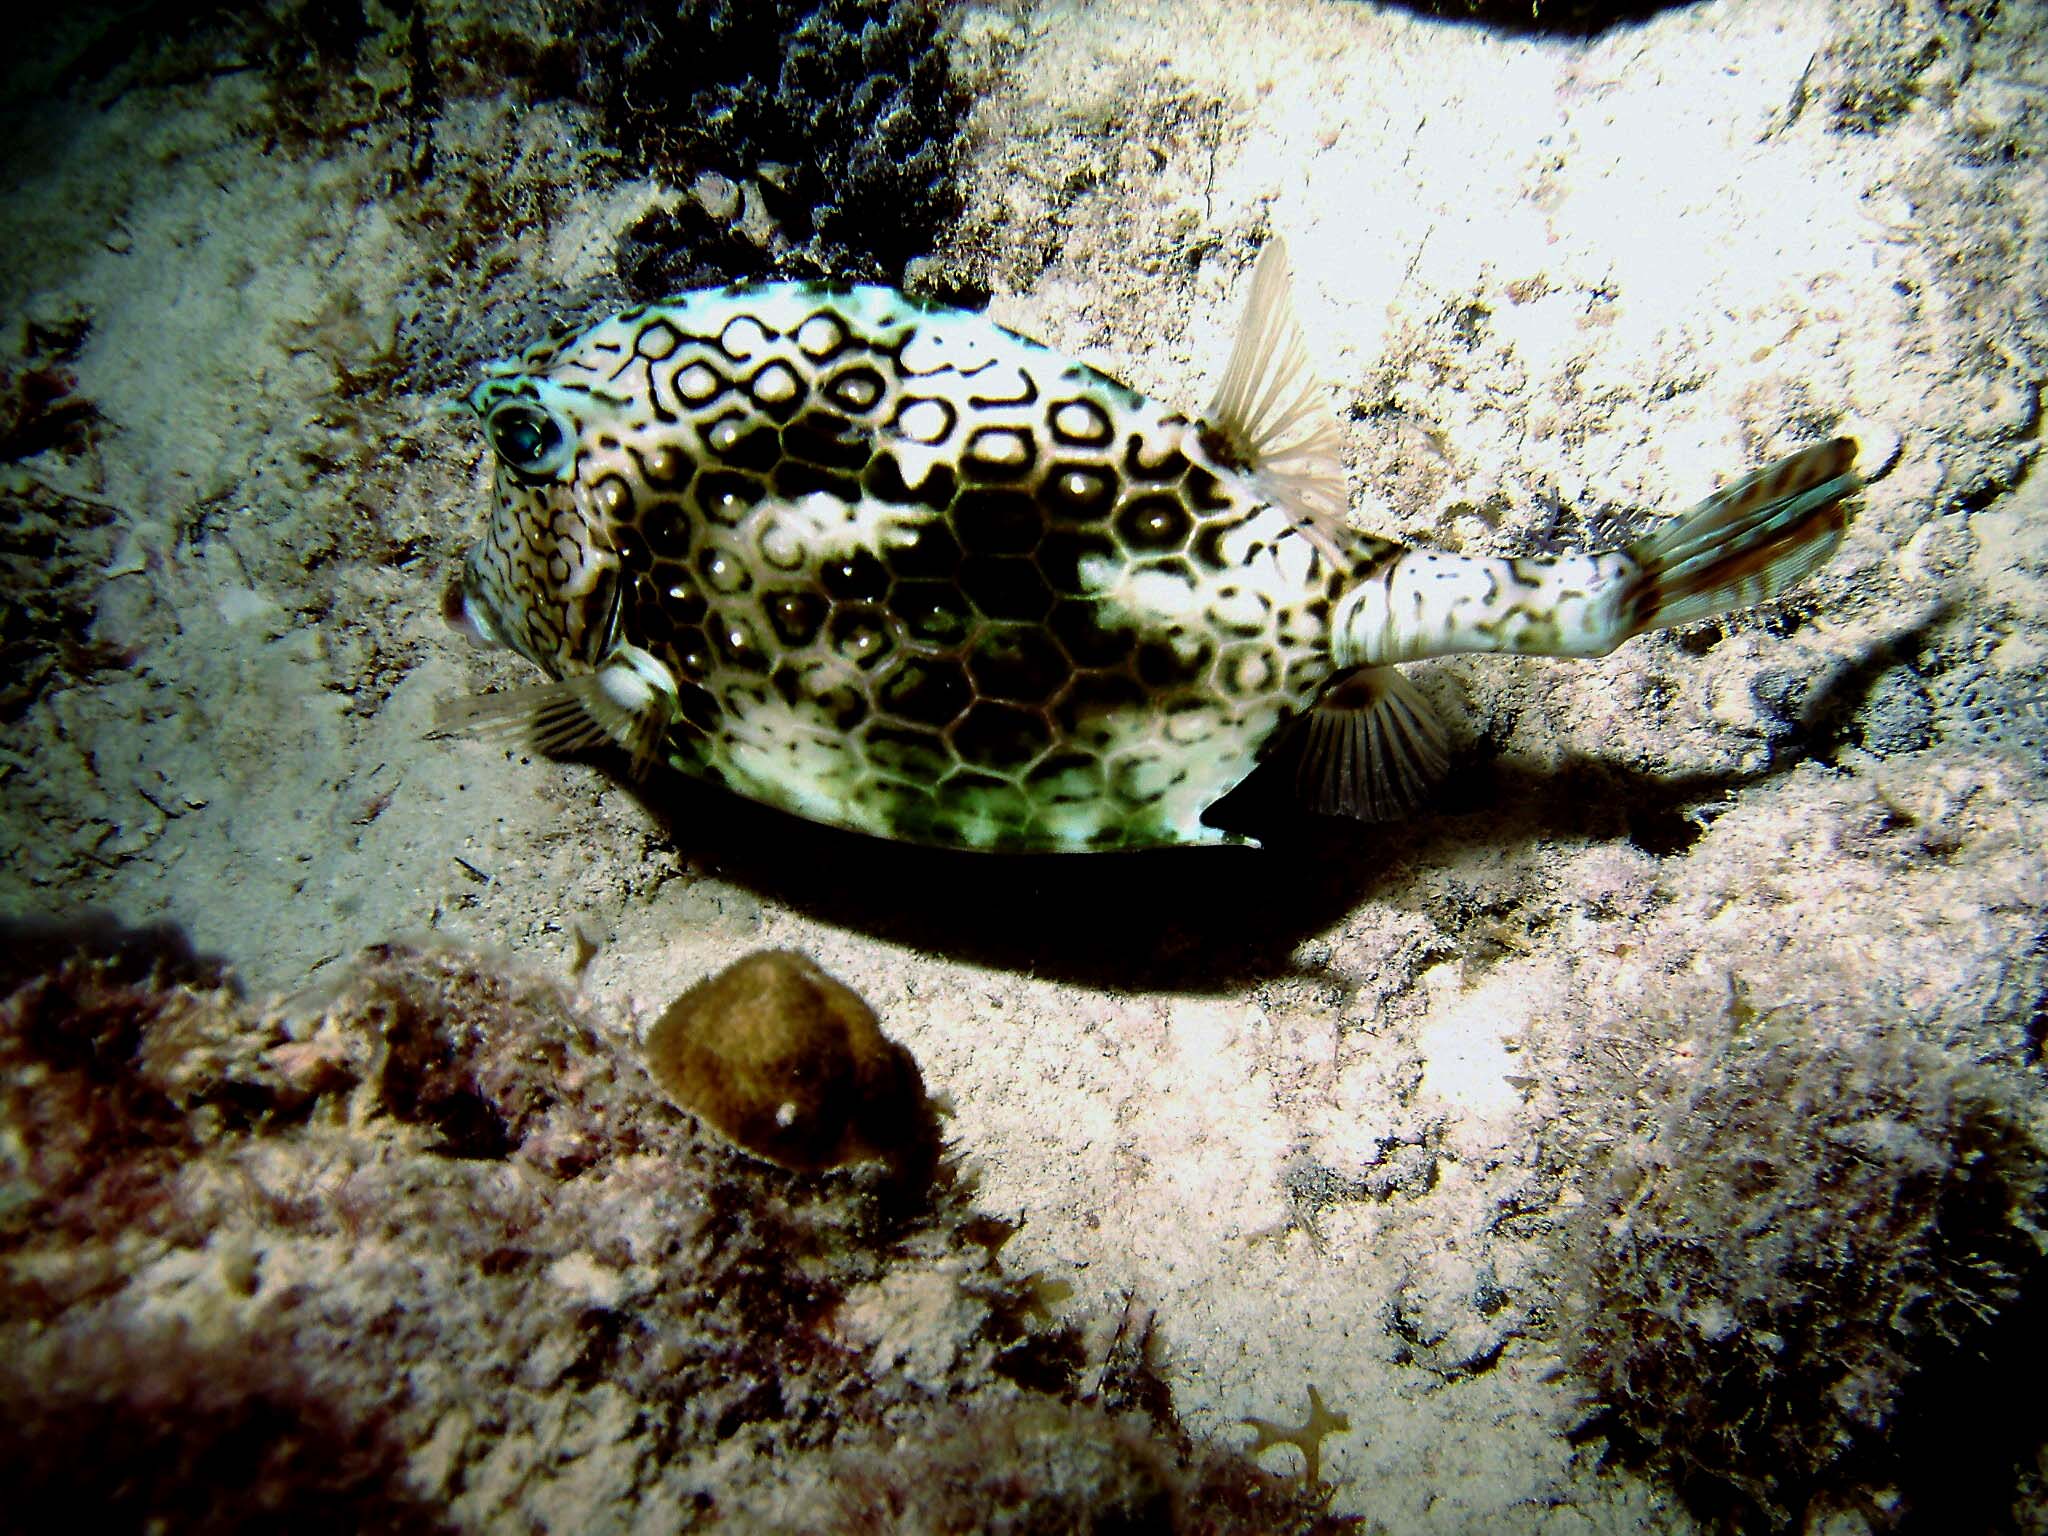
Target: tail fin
{"type": "Point", "coordinates": [1745, 543]}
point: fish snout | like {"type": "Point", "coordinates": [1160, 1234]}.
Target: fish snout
{"type": "Point", "coordinates": [466, 615]}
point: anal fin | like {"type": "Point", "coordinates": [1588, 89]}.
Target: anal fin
{"type": "Point", "coordinates": [1372, 748]}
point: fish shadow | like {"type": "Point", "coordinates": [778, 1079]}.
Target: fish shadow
{"type": "Point", "coordinates": [1197, 921]}
{"type": "Point", "coordinates": [1216, 920]}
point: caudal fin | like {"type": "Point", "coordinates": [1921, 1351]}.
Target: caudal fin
{"type": "Point", "coordinates": [1745, 543]}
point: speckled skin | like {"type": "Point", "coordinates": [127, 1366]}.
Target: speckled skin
{"type": "Point", "coordinates": [913, 574]}
{"type": "Point", "coordinates": [892, 567]}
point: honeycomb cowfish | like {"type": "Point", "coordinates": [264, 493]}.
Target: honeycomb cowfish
{"type": "Point", "coordinates": [887, 565]}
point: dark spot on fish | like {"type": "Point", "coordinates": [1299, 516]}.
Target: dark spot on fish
{"type": "Point", "coordinates": [1087, 641]}
{"type": "Point", "coordinates": [1018, 662]}
{"type": "Point", "coordinates": [1001, 736]}
{"type": "Point", "coordinates": [1005, 587]}
{"type": "Point", "coordinates": [926, 691]}
{"type": "Point", "coordinates": [1079, 493]}
{"type": "Point", "coordinates": [930, 551]}
{"type": "Point", "coordinates": [859, 577]}
{"type": "Point", "coordinates": [1061, 553]}
{"type": "Point", "coordinates": [884, 480]}
{"type": "Point", "coordinates": [933, 612]}
{"type": "Point", "coordinates": [857, 389]}
{"type": "Point", "coordinates": [724, 496]}
{"type": "Point", "coordinates": [998, 455]}
{"type": "Point", "coordinates": [1152, 524]}
{"type": "Point", "coordinates": [979, 795]}
{"type": "Point", "coordinates": [795, 616]}
{"type": "Point", "coordinates": [795, 480]}
{"type": "Point", "coordinates": [828, 440]}
{"type": "Point", "coordinates": [1067, 778]}
{"type": "Point", "coordinates": [1080, 422]}
{"type": "Point", "coordinates": [997, 522]}
{"type": "Point", "coordinates": [860, 634]}
{"type": "Point", "coordinates": [1092, 699]}
{"type": "Point", "coordinates": [906, 752]}
{"type": "Point", "coordinates": [1169, 466]}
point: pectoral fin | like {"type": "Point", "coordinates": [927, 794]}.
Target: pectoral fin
{"type": "Point", "coordinates": [1371, 748]}
{"type": "Point", "coordinates": [631, 700]}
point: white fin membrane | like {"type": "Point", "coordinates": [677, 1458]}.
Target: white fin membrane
{"type": "Point", "coordinates": [619, 702]}
{"type": "Point", "coordinates": [1371, 748]}
{"type": "Point", "coordinates": [1275, 414]}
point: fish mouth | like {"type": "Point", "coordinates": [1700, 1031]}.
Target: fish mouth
{"type": "Point", "coordinates": [466, 615]}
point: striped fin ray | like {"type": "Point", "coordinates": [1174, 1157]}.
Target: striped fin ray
{"type": "Point", "coordinates": [1372, 748]}
{"type": "Point", "coordinates": [1274, 415]}
{"type": "Point", "coordinates": [631, 700]}
{"type": "Point", "coordinates": [1747, 542]}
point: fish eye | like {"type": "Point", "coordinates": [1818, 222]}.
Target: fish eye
{"type": "Point", "coordinates": [529, 438]}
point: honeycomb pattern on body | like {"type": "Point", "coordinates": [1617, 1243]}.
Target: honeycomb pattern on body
{"type": "Point", "coordinates": [914, 574]}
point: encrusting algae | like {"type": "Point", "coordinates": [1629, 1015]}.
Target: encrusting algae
{"type": "Point", "coordinates": [889, 566]}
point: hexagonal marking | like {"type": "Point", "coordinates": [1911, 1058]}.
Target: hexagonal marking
{"type": "Point", "coordinates": [933, 612]}
{"type": "Point", "coordinates": [631, 548]}
{"type": "Point", "coordinates": [1073, 561]}
{"type": "Point", "coordinates": [821, 335]}
{"type": "Point", "coordinates": [1080, 493]}
{"type": "Point", "coordinates": [970, 797]}
{"type": "Point", "coordinates": [611, 497]}
{"type": "Point", "coordinates": [1191, 722]}
{"type": "Point", "coordinates": [1144, 777]}
{"type": "Point", "coordinates": [1173, 661]}
{"type": "Point", "coordinates": [795, 616]}
{"type": "Point", "coordinates": [829, 439]}
{"type": "Point", "coordinates": [723, 572]}
{"type": "Point", "coordinates": [997, 522]}
{"type": "Point", "coordinates": [657, 340]}
{"type": "Point", "coordinates": [794, 480]}
{"type": "Point", "coordinates": [856, 578]}
{"type": "Point", "coordinates": [1067, 778]}
{"type": "Point", "coordinates": [777, 389]}
{"type": "Point", "coordinates": [929, 691]}
{"type": "Point", "coordinates": [999, 454]}
{"type": "Point", "coordinates": [857, 389]}
{"type": "Point", "coordinates": [724, 496]}
{"type": "Point", "coordinates": [883, 478]}
{"type": "Point", "coordinates": [1001, 736]}
{"type": "Point", "coordinates": [1086, 712]}
{"type": "Point", "coordinates": [1246, 669]}
{"type": "Point", "coordinates": [927, 549]}
{"type": "Point", "coordinates": [1154, 524]}
{"type": "Point", "coordinates": [860, 634]}
{"type": "Point", "coordinates": [1005, 587]}
{"type": "Point", "coordinates": [662, 465]}
{"type": "Point", "coordinates": [1018, 662]}
{"type": "Point", "coordinates": [780, 543]}
{"type": "Point", "coordinates": [923, 419]}
{"type": "Point", "coordinates": [1089, 642]}
{"type": "Point", "coordinates": [906, 752]}
{"type": "Point", "coordinates": [691, 651]}
{"type": "Point", "coordinates": [738, 641]}
{"type": "Point", "coordinates": [743, 337]}
{"type": "Point", "coordinates": [698, 384]}
{"type": "Point", "coordinates": [1081, 422]}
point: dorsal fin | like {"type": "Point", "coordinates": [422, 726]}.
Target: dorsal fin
{"type": "Point", "coordinates": [1274, 414]}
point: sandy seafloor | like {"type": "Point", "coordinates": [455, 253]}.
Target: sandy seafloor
{"type": "Point", "coordinates": [1315, 1106]}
